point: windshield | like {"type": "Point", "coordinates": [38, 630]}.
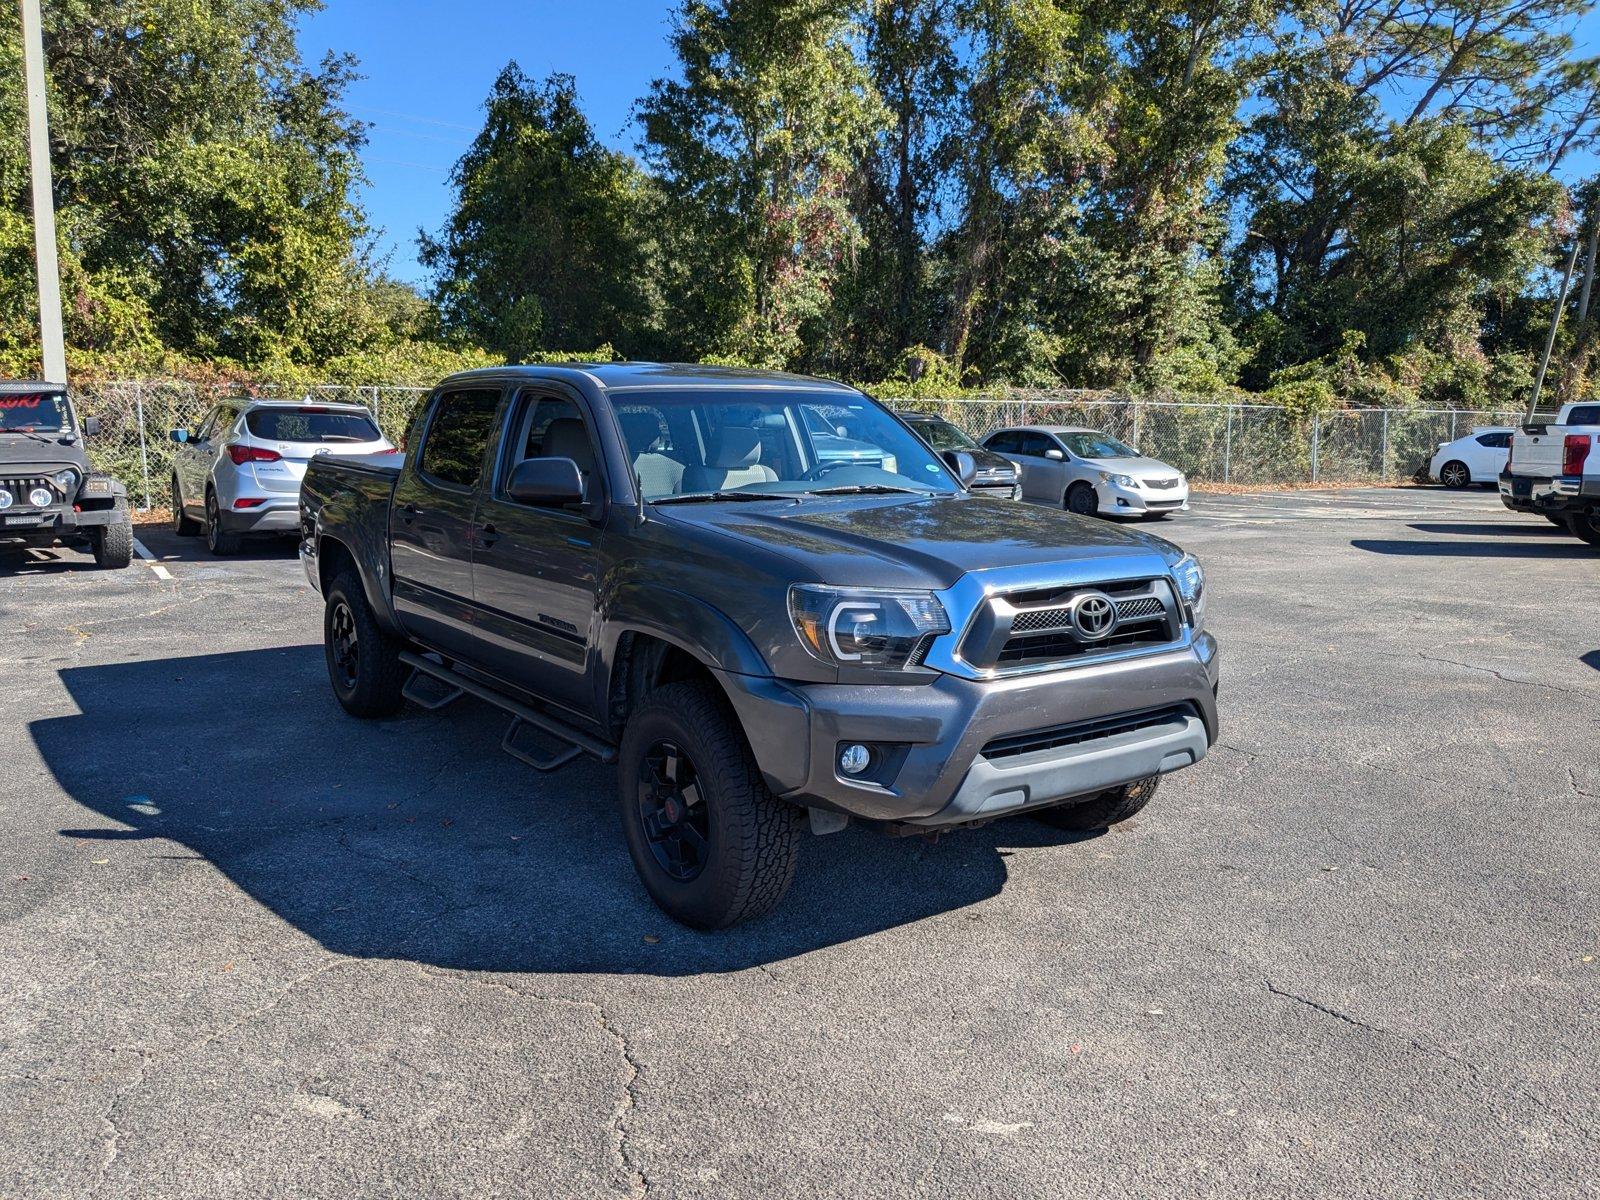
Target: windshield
{"type": "Point", "coordinates": [1096, 445]}
{"type": "Point", "coordinates": [41, 413]}
{"type": "Point", "coordinates": [756, 442]}
{"type": "Point", "coordinates": [942, 435]}
{"type": "Point", "coordinates": [311, 425]}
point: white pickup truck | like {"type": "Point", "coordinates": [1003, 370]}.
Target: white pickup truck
{"type": "Point", "coordinates": [1554, 470]}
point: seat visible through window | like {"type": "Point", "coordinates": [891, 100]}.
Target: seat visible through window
{"type": "Point", "coordinates": [733, 461]}
{"type": "Point", "coordinates": [659, 474]}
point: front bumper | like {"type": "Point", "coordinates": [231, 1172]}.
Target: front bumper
{"type": "Point", "coordinates": [943, 737]}
{"type": "Point", "coordinates": [1116, 500]}
{"type": "Point", "coordinates": [56, 522]}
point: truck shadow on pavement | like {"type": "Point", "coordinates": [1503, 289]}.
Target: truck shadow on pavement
{"type": "Point", "coordinates": [416, 838]}
{"type": "Point", "coordinates": [1552, 548]}
{"type": "Point", "coordinates": [168, 547]}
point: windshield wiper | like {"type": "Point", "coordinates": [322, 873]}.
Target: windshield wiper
{"type": "Point", "coordinates": [867, 489]}
{"type": "Point", "coordinates": [32, 433]}
{"type": "Point", "coordinates": [699, 497]}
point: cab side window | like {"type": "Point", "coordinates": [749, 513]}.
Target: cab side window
{"type": "Point", "coordinates": [552, 427]}
{"type": "Point", "coordinates": [1035, 444]}
{"type": "Point", "coordinates": [1005, 442]}
{"type": "Point", "coordinates": [458, 437]}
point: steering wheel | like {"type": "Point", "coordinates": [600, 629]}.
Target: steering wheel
{"type": "Point", "coordinates": [823, 468]}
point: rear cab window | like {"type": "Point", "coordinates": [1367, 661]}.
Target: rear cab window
{"type": "Point", "coordinates": [457, 439]}
{"type": "Point", "coordinates": [311, 424]}
{"type": "Point", "coordinates": [1585, 414]}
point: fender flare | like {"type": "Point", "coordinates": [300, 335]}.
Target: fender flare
{"type": "Point", "coordinates": [679, 619]}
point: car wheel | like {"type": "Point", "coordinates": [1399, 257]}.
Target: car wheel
{"type": "Point", "coordinates": [113, 544]}
{"type": "Point", "coordinates": [218, 540]}
{"type": "Point", "coordinates": [1455, 475]}
{"type": "Point", "coordinates": [712, 844]}
{"type": "Point", "coordinates": [1103, 811]}
{"type": "Point", "coordinates": [363, 661]}
{"type": "Point", "coordinates": [1082, 500]}
{"type": "Point", "coordinates": [182, 524]}
{"type": "Point", "coordinates": [1585, 527]}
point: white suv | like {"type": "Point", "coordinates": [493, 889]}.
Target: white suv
{"type": "Point", "coordinates": [239, 473]}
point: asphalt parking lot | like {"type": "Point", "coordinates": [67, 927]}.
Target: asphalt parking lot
{"type": "Point", "coordinates": [251, 947]}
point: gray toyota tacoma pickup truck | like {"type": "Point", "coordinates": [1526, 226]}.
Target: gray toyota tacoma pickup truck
{"type": "Point", "coordinates": [48, 491]}
{"type": "Point", "coordinates": [654, 565]}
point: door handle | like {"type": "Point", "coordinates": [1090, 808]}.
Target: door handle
{"type": "Point", "coordinates": [408, 513]}
{"type": "Point", "coordinates": [488, 535]}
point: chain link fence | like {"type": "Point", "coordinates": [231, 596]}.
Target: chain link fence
{"type": "Point", "coordinates": [1211, 443]}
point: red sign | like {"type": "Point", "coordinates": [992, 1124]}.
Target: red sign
{"type": "Point", "coordinates": [20, 401]}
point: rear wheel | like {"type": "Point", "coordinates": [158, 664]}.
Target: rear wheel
{"type": "Point", "coordinates": [1585, 526]}
{"type": "Point", "coordinates": [1082, 500]}
{"type": "Point", "coordinates": [1103, 811]}
{"type": "Point", "coordinates": [711, 843]}
{"type": "Point", "coordinates": [363, 661]}
{"type": "Point", "coordinates": [218, 540]}
{"type": "Point", "coordinates": [1455, 474]}
{"type": "Point", "coordinates": [182, 524]}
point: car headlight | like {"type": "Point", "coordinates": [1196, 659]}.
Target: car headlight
{"type": "Point", "coordinates": [66, 482]}
{"type": "Point", "coordinates": [865, 627]}
{"type": "Point", "coordinates": [1192, 587]}
{"type": "Point", "coordinates": [1122, 481]}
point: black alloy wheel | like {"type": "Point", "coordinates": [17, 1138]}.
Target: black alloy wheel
{"type": "Point", "coordinates": [344, 647]}
{"type": "Point", "coordinates": [673, 812]}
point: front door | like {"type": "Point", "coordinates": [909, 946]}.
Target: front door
{"type": "Point", "coordinates": [534, 569]}
{"type": "Point", "coordinates": [430, 524]}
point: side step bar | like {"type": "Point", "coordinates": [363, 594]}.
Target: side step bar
{"type": "Point", "coordinates": [577, 741]}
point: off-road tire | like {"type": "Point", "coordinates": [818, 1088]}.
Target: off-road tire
{"type": "Point", "coordinates": [1103, 811]}
{"type": "Point", "coordinates": [218, 540]}
{"type": "Point", "coordinates": [113, 544]}
{"type": "Point", "coordinates": [375, 690]}
{"type": "Point", "coordinates": [1457, 470]}
{"type": "Point", "coordinates": [754, 838]}
{"type": "Point", "coordinates": [1585, 527]}
{"type": "Point", "coordinates": [182, 523]}
{"type": "Point", "coordinates": [1081, 499]}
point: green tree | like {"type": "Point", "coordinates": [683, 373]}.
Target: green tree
{"type": "Point", "coordinates": [752, 143]}
{"type": "Point", "coordinates": [542, 249]}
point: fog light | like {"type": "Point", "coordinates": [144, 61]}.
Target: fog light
{"type": "Point", "coordinates": [41, 497]}
{"type": "Point", "coordinates": [854, 759]}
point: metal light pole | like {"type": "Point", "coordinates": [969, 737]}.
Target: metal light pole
{"type": "Point", "coordinates": [1555, 324]}
{"type": "Point", "coordinates": [52, 341]}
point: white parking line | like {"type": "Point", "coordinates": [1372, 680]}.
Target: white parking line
{"type": "Point", "coordinates": [143, 552]}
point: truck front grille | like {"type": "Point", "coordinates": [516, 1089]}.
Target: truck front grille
{"type": "Point", "coordinates": [1037, 627]}
{"type": "Point", "coordinates": [20, 485]}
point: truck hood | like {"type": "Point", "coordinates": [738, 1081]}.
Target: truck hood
{"type": "Point", "coordinates": [21, 450]}
{"type": "Point", "coordinates": [915, 541]}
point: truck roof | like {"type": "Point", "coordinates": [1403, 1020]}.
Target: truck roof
{"type": "Point", "coordinates": [28, 387]}
{"type": "Point", "coordinates": [634, 376]}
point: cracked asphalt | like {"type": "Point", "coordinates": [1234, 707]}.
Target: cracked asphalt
{"type": "Point", "coordinates": [251, 947]}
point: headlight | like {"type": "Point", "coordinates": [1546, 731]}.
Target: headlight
{"type": "Point", "coordinates": [1192, 587]}
{"type": "Point", "coordinates": [865, 627]}
{"type": "Point", "coordinates": [1122, 481]}
{"type": "Point", "coordinates": [67, 482]}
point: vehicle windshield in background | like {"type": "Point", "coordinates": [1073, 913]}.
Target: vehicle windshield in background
{"type": "Point", "coordinates": [311, 425]}
{"type": "Point", "coordinates": [43, 413]}
{"type": "Point", "coordinates": [942, 435]}
{"type": "Point", "coordinates": [1096, 445]}
{"type": "Point", "coordinates": [697, 443]}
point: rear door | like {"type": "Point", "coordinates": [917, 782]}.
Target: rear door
{"type": "Point", "coordinates": [431, 521]}
{"type": "Point", "coordinates": [534, 570]}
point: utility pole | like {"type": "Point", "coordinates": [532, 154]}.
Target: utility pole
{"type": "Point", "coordinates": [51, 339]}
{"type": "Point", "coordinates": [1555, 323]}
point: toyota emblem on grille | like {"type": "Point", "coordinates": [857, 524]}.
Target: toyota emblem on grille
{"type": "Point", "coordinates": [1094, 616]}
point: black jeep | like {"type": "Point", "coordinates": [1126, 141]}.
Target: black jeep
{"type": "Point", "coordinates": [48, 491]}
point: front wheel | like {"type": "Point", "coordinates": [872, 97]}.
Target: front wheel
{"type": "Point", "coordinates": [1103, 811]}
{"type": "Point", "coordinates": [1082, 500]}
{"type": "Point", "coordinates": [711, 843]}
{"type": "Point", "coordinates": [1455, 475]}
{"type": "Point", "coordinates": [113, 544]}
{"type": "Point", "coordinates": [363, 661]}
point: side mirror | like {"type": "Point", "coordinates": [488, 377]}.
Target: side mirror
{"type": "Point", "coordinates": [91, 426]}
{"type": "Point", "coordinates": [961, 464]}
{"type": "Point", "coordinates": [546, 483]}
{"type": "Point", "coordinates": [1055, 455]}
{"type": "Point", "coordinates": [179, 435]}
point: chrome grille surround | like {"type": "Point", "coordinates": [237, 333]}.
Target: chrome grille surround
{"type": "Point", "coordinates": [981, 605]}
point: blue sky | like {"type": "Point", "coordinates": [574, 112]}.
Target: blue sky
{"type": "Point", "coordinates": [427, 67]}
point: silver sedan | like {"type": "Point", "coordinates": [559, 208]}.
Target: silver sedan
{"type": "Point", "coordinates": [1086, 471]}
